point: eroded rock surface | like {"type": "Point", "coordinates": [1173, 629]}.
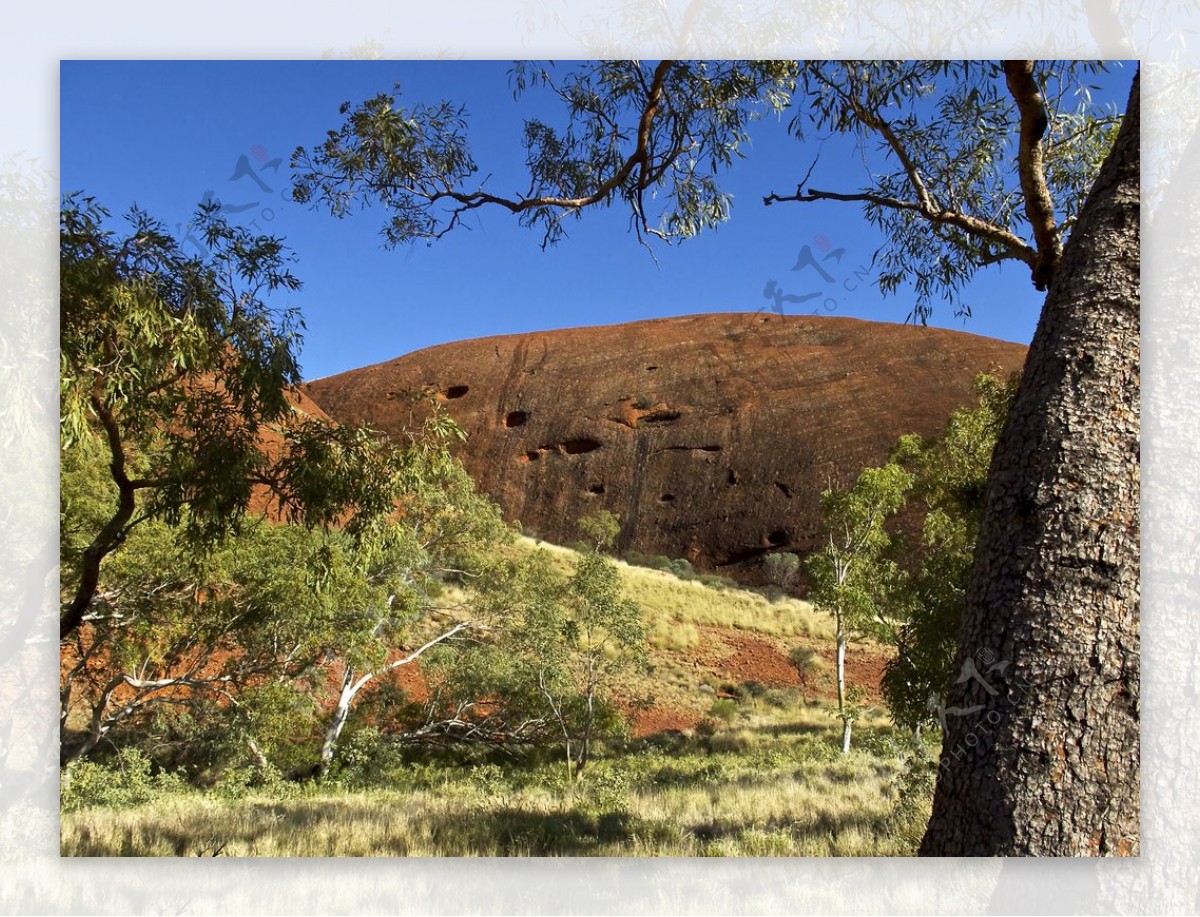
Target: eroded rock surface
{"type": "Point", "coordinates": [711, 435]}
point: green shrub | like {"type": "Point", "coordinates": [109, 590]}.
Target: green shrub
{"type": "Point", "coordinates": [724, 708]}
{"type": "Point", "coordinates": [779, 698]}
{"type": "Point", "coordinates": [753, 688]}
{"type": "Point", "coordinates": [716, 581]}
{"type": "Point", "coordinates": [682, 567]}
{"type": "Point", "coordinates": [603, 791]}
{"type": "Point", "coordinates": [128, 780]}
{"type": "Point", "coordinates": [782, 569]}
{"type": "Point", "coordinates": [706, 728]}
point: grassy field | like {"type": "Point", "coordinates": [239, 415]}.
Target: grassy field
{"type": "Point", "coordinates": [767, 786]}
{"type": "Point", "coordinates": [745, 767]}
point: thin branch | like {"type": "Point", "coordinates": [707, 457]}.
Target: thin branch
{"type": "Point", "coordinates": [998, 236]}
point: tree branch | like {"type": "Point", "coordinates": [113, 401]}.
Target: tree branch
{"type": "Point", "coordinates": [1039, 206]}
{"type": "Point", "coordinates": [1013, 246]}
{"type": "Point", "coordinates": [113, 532]}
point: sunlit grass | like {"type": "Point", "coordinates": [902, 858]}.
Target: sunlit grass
{"type": "Point", "coordinates": [769, 787]}
{"type": "Point", "coordinates": [669, 601]}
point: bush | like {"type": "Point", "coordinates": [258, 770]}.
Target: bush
{"type": "Point", "coordinates": [682, 567]}
{"type": "Point", "coordinates": [127, 781]}
{"type": "Point", "coordinates": [781, 569]}
{"type": "Point", "coordinates": [724, 708]}
{"type": "Point", "coordinates": [806, 662]}
{"type": "Point", "coordinates": [779, 698]}
{"type": "Point", "coordinates": [603, 791]}
{"type": "Point", "coordinates": [706, 728]}
{"type": "Point", "coordinates": [754, 688]}
{"type": "Point", "coordinates": [716, 581]}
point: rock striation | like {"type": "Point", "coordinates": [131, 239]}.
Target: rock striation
{"type": "Point", "coordinates": [712, 436]}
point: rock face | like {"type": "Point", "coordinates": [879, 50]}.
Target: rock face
{"type": "Point", "coordinates": [711, 435]}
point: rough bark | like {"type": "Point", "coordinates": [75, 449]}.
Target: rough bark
{"type": "Point", "coordinates": [1042, 756]}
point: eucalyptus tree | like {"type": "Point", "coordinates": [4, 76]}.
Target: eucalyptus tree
{"type": "Point", "coordinates": [179, 369]}
{"type": "Point", "coordinates": [563, 646]}
{"type": "Point", "coordinates": [636, 134]}
{"type": "Point", "coordinates": [968, 165]}
{"type": "Point", "coordinates": [949, 485]}
{"type": "Point", "coordinates": [983, 162]}
{"type": "Point", "coordinates": [445, 528]}
{"type": "Point", "coordinates": [851, 575]}
{"type": "Point", "coordinates": [169, 633]}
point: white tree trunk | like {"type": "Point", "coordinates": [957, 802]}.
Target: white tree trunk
{"type": "Point", "coordinates": [841, 686]}
{"type": "Point", "coordinates": [337, 720]}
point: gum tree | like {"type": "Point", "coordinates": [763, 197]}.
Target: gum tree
{"type": "Point", "coordinates": [178, 368]}
{"type": "Point", "coordinates": [950, 482]}
{"type": "Point", "coordinates": [850, 576]}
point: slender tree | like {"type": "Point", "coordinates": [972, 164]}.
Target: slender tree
{"type": "Point", "coordinates": [850, 575]}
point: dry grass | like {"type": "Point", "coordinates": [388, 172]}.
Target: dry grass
{"type": "Point", "coordinates": [672, 603]}
{"type": "Point", "coordinates": [768, 787]}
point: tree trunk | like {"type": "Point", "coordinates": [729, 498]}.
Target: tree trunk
{"type": "Point", "coordinates": [841, 687]}
{"type": "Point", "coordinates": [1041, 751]}
{"type": "Point", "coordinates": [337, 720]}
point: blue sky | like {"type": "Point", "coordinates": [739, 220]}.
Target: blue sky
{"type": "Point", "coordinates": [163, 134]}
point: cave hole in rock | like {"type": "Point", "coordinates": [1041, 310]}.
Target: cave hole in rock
{"type": "Point", "coordinates": [455, 391]}
{"type": "Point", "coordinates": [667, 498]}
{"type": "Point", "coordinates": [651, 369]}
{"type": "Point", "coordinates": [732, 478]}
{"type": "Point", "coordinates": [580, 446]}
{"type": "Point", "coordinates": [515, 418]}
{"type": "Point", "coordinates": [661, 416]}
{"type": "Point", "coordinates": [532, 455]}
{"type": "Point", "coordinates": [596, 489]}
{"type": "Point", "coordinates": [784, 489]}
{"type": "Point", "coordinates": [777, 538]}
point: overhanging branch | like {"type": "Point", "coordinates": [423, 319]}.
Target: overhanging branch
{"type": "Point", "coordinates": [1010, 245]}
{"type": "Point", "coordinates": [1039, 206]}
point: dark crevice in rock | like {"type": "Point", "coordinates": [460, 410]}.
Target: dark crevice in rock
{"type": "Point", "coordinates": [777, 538]}
{"type": "Point", "coordinates": [690, 449]}
{"type": "Point", "coordinates": [739, 557]}
{"type": "Point", "coordinates": [596, 489]}
{"type": "Point", "coordinates": [667, 498]}
{"type": "Point", "coordinates": [660, 417]}
{"type": "Point", "coordinates": [784, 489]}
{"type": "Point", "coordinates": [455, 391]}
{"type": "Point", "coordinates": [515, 418]}
{"type": "Point", "coordinates": [580, 446]}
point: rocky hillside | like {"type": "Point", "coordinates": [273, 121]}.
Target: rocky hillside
{"type": "Point", "coordinates": [711, 435]}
